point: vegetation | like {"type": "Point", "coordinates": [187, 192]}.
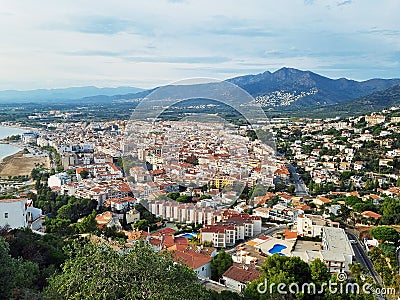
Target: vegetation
{"type": "Point", "coordinates": [16, 275]}
{"type": "Point", "coordinates": [99, 272]}
{"type": "Point", "coordinates": [386, 234]}
{"type": "Point", "coordinates": [292, 270]}
{"type": "Point", "coordinates": [219, 264]}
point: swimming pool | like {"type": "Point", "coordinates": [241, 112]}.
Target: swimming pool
{"type": "Point", "coordinates": [188, 235]}
{"type": "Point", "coordinates": [277, 248]}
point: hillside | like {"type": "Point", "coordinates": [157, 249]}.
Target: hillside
{"type": "Point", "coordinates": [374, 102]}
{"type": "Point", "coordinates": [294, 88]}
{"type": "Point", "coordinates": [62, 94]}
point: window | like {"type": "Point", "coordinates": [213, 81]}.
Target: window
{"type": "Point", "coordinates": [6, 215]}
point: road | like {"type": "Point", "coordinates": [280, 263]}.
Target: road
{"type": "Point", "coordinates": [363, 258]}
{"type": "Point", "coordinates": [301, 189]}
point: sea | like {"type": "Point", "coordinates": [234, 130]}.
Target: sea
{"type": "Point", "coordinates": [6, 149]}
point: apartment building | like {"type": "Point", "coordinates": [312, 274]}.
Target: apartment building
{"type": "Point", "coordinates": [235, 228]}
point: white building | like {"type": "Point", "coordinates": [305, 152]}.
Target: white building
{"type": "Point", "coordinates": [309, 225]}
{"type": "Point", "coordinates": [337, 252]}
{"type": "Point", "coordinates": [18, 213]}
{"type": "Point", "coordinates": [57, 180]}
{"type": "Point", "coordinates": [235, 228]}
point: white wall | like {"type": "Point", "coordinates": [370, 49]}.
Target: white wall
{"type": "Point", "coordinates": [16, 211]}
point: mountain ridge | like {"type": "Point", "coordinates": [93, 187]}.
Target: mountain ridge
{"type": "Point", "coordinates": [61, 94]}
{"type": "Point", "coordinates": [284, 89]}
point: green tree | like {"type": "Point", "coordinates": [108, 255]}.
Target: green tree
{"type": "Point", "coordinates": [319, 271]}
{"type": "Point", "coordinates": [88, 223]}
{"type": "Point", "coordinates": [84, 174]}
{"type": "Point", "coordinates": [99, 272]}
{"type": "Point", "coordinates": [219, 264]}
{"type": "Point", "coordinates": [15, 274]}
{"type": "Point", "coordinates": [386, 234]}
{"type": "Point", "coordinates": [141, 224]}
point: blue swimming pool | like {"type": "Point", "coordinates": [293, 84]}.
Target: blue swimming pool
{"type": "Point", "coordinates": [277, 248]}
{"type": "Point", "coordinates": [188, 235]}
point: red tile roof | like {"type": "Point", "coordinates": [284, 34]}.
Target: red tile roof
{"type": "Point", "coordinates": [191, 258]}
{"type": "Point", "coordinates": [242, 275]}
{"type": "Point", "coordinates": [371, 214]}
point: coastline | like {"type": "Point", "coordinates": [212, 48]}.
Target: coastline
{"type": "Point", "coordinates": [7, 159]}
{"type": "Point", "coordinates": [16, 126]}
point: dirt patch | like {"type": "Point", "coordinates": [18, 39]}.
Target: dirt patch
{"type": "Point", "coordinates": [19, 165]}
{"type": "Point", "coordinates": [365, 231]}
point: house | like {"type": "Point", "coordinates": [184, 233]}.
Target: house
{"type": "Point", "coordinates": [320, 201]}
{"type": "Point", "coordinates": [309, 225]}
{"type": "Point", "coordinates": [236, 277]}
{"type": "Point", "coordinates": [122, 204]}
{"type": "Point", "coordinates": [107, 219]}
{"type": "Point", "coordinates": [57, 180]}
{"type": "Point", "coordinates": [132, 216]}
{"type": "Point", "coordinates": [371, 215]}
{"type": "Point", "coordinates": [19, 213]}
{"type": "Point", "coordinates": [199, 262]}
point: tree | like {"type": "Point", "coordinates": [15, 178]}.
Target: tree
{"type": "Point", "coordinates": [291, 189]}
{"type": "Point", "coordinates": [14, 273]}
{"type": "Point", "coordinates": [99, 272]}
{"type": "Point", "coordinates": [88, 223]}
{"type": "Point", "coordinates": [141, 224]}
{"type": "Point", "coordinates": [319, 271]}
{"type": "Point", "coordinates": [219, 264]}
{"type": "Point", "coordinates": [385, 234]}
{"type": "Point", "coordinates": [84, 174]}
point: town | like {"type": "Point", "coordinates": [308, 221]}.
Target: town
{"type": "Point", "coordinates": [216, 196]}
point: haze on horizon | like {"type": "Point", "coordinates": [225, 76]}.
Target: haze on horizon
{"type": "Point", "coordinates": [150, 43]}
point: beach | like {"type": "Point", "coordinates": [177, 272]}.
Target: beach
{"type": "Point", "coordinates": [19, 165]}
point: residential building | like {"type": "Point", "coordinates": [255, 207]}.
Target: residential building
{"type": "Point", "coordinates": [20, 213]}
{"type": "Point", "coordinates": [57, 180]}
{"type": "Point", "coordinates": [237, 277]}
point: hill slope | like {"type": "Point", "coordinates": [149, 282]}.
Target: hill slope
{"type": "Point", "coordinates": [72, 93]}
{"type": "Point", "coordinates": [374, 102]}
{"type": "Point", "coordinates": [295, 88]}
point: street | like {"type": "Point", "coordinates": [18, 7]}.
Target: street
{"type": "Point", "coordinates": [301, 189]}
{"type": "Point", "coordinates": [363, 258]}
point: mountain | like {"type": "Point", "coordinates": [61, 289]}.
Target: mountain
{"type": "Point", "coordinates": [288, 87]}
{"type": "Point", "coordinates": [283, 90]}
{"type": "Point", "coordinates": [376, 101]}
{"type": "Point", "coordinates": [63, 94]}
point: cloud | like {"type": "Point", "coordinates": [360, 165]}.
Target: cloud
{"type": "Point", "coordinates": [180, 59]}
{"type": "Point", "coordinates": [347, 2]}
{"type": "Point", "coordinates": [151, 42]}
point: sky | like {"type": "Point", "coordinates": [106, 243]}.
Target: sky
{"type": "Point", "coordinates": [49, 44]}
